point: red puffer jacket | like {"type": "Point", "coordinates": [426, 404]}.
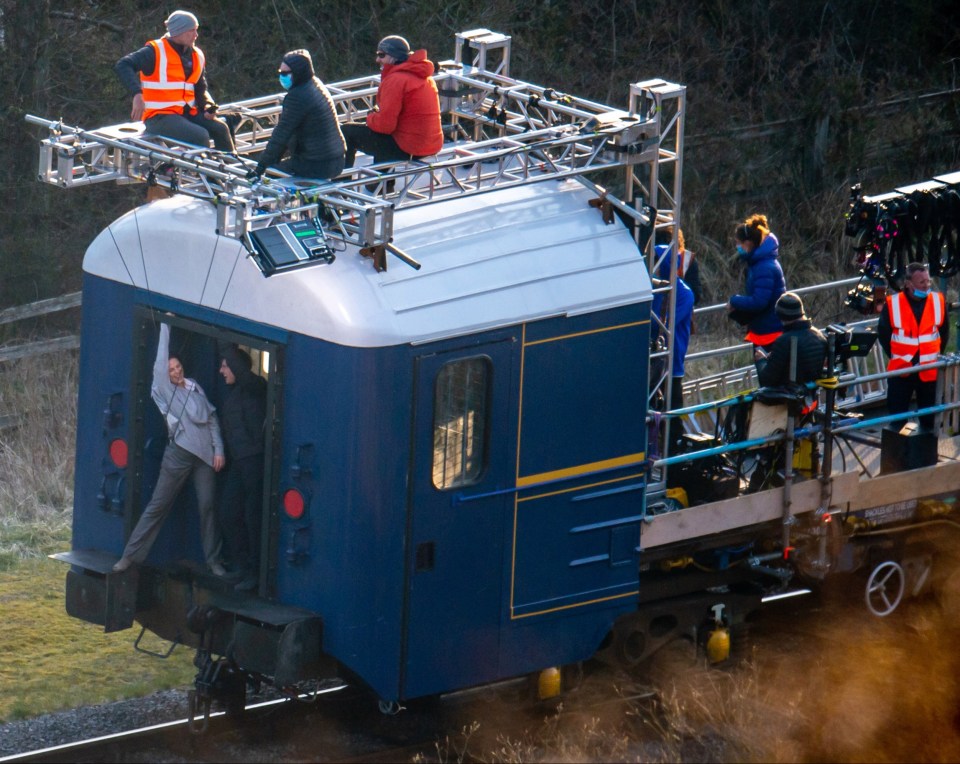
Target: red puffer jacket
{"type": "Point", "coordinates": [409, 107]}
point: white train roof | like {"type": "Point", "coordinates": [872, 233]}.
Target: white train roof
{"type": "Point", "coordinates": [491, 260]}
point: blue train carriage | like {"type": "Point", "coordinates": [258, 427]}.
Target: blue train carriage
{"type": "Point", "coordinates": [454, 454]}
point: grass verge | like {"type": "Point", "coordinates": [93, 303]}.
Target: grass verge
{"type": "Point", "coordinates": [50, 661]}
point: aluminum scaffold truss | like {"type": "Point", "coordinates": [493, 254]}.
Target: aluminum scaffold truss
{"type": "Point", "coordinates": [499, 132]}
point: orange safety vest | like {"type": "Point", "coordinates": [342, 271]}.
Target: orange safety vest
{"type": "Point", "coordinates": [168, 90]}
{"type": "Point", "coordinates": [908, 339]}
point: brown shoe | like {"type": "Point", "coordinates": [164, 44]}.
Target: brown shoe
{"type": "Point", "coordinates": [122, 564]}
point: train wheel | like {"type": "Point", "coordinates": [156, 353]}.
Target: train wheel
{"type": "Point", "coordinates": [885, 588]}
{"type": "Point", "coordinates": [390, 707]}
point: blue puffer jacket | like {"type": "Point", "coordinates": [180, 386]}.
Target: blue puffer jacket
{"type": "Point", "coordinates": [765, 284]}
{"type": "Point", "coordinates": [684, 313]}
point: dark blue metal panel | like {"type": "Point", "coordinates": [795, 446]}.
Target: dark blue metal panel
{"type": "Point", "coordinates": [577, 546]}
{"type": "Point", "coordinates": [456, 593]}
{"type": "Point", "coordinates": [102, 414]}
{"type": "Point", "coordinates": [584, 391]}
{"type": "Point", "coordinates": [213, 317]}
{"type": "Point", "coordinates": [576, 519]}
{"type": "Point", "coordinates": [345, 446]}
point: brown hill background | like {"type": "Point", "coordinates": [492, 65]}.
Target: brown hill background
{"type": "Point", "coordinates": [788, 103]}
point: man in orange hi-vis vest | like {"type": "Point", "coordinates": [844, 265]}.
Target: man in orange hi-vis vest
{"type": "Point", "coordinates": [912, 329]}
{"type": "Point", "coordinates": [167, 79]}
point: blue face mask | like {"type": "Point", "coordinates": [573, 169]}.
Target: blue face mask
{"type": "Point", "coordinates": [921, 292]}
{"type": "Point", "coordinates": [741, 251]}
{"type": "Point", "coordinates": [286, 80]}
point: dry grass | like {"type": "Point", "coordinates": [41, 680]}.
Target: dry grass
{"type": "Point", "coordinates": [48, 660]}
{"type": "Point", "coordinates": [36, 455]}
{"type": "Point", "coordinates": [833, 685]}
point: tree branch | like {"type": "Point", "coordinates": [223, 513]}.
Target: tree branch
{"type": "Point", "coordinates": [84, 20]}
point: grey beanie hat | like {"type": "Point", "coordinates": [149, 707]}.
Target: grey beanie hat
{"type": "Point", "coordinates": [179, 22]}
{"type": "Point", "coordinates": [790, 307]}
{"type": "Point", "coordinates": [395, 47]}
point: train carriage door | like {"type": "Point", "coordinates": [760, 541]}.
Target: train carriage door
{"type": "Point", "coordinates": [464, 455]}
{"type": "Point", "coordinates": [199, 347]}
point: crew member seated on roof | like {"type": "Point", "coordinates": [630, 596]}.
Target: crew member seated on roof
{"type": "Point", "coordinates": [167, 79]}
{"type": "Point", "coordinates": [405, 124]}
{"type": "Point", "coordinates": [308, 125]}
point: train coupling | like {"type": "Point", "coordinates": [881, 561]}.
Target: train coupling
{"type": "Point", "coordinates": [217, 680]}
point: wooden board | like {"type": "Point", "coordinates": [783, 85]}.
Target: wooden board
{"type": "Point", "coordinates": [743, 511]}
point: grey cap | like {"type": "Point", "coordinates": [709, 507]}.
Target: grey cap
{"type": "Point", "coordinates": [395, 47]}
{"type": "Point", "coordinates": [790, 307]}
{"type": "Point", "coordinates": [179, 22]}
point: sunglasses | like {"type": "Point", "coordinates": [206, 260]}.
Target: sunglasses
{"type": "Point", "coordinates": [381, 54]}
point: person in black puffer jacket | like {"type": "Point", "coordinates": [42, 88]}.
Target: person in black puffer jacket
{"type": "Point", "coordinates": [773, 369]}
{"type": "Point", "coordinates": [242, 415]}
{"type": "Point", "coordinates": [308, 129]}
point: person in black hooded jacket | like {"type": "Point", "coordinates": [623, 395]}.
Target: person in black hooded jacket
{"type": "Point", "coordinates": [308, 129]}
{"type": "Point", "coordinates": [242, 415]}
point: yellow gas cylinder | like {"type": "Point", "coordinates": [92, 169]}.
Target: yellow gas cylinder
{"type": "Point", "coordinates": [718, 644]}
{"type": "Point", "coordinates": [548, 683]}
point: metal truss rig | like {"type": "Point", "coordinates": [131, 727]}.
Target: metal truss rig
{"type": "Point", "coordinates": [501, 132]}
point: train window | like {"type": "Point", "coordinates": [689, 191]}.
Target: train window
{"type": "Point", "coordinates": [261, 361]}
{"type": "Point", "coordinates": [460, 405]}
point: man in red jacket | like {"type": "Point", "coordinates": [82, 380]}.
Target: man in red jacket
{"type": "Point", "coordinates": [405, 124]}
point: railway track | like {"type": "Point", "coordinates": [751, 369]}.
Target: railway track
{"type": "Point", "coordinates": [346, 726]}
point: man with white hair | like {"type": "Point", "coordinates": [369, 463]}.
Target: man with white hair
{"type": "Point", "coordinates": [167, 79]}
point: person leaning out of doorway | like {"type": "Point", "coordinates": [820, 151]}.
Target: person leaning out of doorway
{"type": "Point", "coordinates": [759, 250]}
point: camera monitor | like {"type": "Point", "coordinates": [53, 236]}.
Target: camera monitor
{"type": "Point", "coordinates": [851, 343]}
{"type": "Point", "coordinates": [290, 245]}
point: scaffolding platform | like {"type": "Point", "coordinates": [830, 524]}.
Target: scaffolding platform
{"type": "Point", "coordinates": [500, 132]}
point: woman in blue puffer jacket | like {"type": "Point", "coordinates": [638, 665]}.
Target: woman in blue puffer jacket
{"type": "Point", "coordinates": [759, 249]}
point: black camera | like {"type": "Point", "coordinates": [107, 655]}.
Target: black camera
{"type": "Point", "coordinates": [861, 217]}
{"type": "Point", "coordinates": [867, 298]}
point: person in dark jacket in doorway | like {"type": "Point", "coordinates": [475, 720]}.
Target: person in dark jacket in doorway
{"type": "Point", "coordinates": [308, 129]}
{"type": "Point", "coordinates": [242, 416]}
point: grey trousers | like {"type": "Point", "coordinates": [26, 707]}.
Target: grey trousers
{"type": "Point", "coordinates": [176, 467]}
{"type": "Point", "coordinates": [197, 130]}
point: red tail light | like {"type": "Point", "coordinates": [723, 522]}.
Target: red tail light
{"type": "Point", "coordinates": [118, 453]}
{"type": "Point", "coordinates": [294, 504]}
